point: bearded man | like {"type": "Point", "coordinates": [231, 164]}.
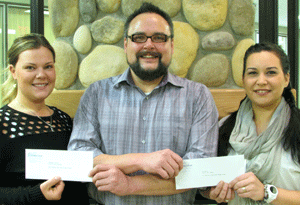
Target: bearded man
{"type": "Point", "coordinates": [143, 123]}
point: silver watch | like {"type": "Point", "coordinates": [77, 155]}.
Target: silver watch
{"type": "Point", "coordinates": [271, 193]}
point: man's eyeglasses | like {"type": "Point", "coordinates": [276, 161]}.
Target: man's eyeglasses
{"type": "Point", "coordinates": [156, 38]}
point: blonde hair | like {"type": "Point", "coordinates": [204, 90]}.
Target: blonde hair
{"type": "Point", "coordinates": [9, 88]}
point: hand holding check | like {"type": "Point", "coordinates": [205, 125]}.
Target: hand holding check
{"type": "Point", "coordinates": [53, 189]}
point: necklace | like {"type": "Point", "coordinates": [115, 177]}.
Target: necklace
{"type": "Point", "coordinates": [49, 124]}
{"type": "Point", "coordinates": [34, 113]}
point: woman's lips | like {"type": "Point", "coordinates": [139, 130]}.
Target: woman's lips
{"type": "Point", "coordinates": [262, 92]}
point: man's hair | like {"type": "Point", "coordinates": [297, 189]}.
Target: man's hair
{"type": "Point", "coordinates": [148, 8]}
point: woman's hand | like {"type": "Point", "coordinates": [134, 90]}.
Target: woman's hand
{"type": "Point", "coordinates": [53, 188]}
{"type": "Point", "coordinates": [248, 186]}
{"type": "Point", "coordinates": [221, 193]}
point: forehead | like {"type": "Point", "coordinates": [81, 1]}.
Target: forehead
{"type": "Point", "coordinates": [36, 54]}
{"type": "Point", "coordinates": [265, 57]}
{"type": "Point", "coordinates": [263, 61]}
{"type": "Point", "coordinates": [149, 23]}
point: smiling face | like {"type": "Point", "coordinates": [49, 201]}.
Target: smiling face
{"type": "Point", "coordinates": [264, 80]}
{"type": "Point", "coordinates": [35, 74]}
{"type": "Point", "coordinates": [149, 59]}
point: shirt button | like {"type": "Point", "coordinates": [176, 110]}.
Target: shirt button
{"type": "Point", "coordinates": [144, 118]}
{"type": "Point", "coordinates": [143, 141]}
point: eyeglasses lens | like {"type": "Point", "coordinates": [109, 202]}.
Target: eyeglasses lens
{"type": "Point", "coordinates": [156, 38]}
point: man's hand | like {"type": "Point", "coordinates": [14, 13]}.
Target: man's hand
{"type": "Point", "coordinates": [110, 178]}
{"type": "Point", "coordinates": [165, 163]}
{"type": "Point", "coordinates": [53, 188]}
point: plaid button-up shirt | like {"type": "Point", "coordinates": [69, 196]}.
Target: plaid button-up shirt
{"type": "Point", "coordinates": [115, 117]}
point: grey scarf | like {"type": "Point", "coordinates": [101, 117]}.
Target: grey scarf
{"type": "Point", "coordinates": [263, 152]}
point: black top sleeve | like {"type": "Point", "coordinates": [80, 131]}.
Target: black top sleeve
{"type": "Point", "coordinates": [21, 195]}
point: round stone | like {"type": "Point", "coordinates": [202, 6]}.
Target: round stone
{"type": "Point", "coordinates": [88, 10]}
{"type": "Point", "coordinates": [82, 39]}
{"type": "Point", "coordinates": [237, 60]}
{"type": "Point", "coordinates": [212, 70]}
{"type": "Point", "coordinates": [186, 44]}
{"type": "Point", "coordinates": [205, 15]}
{"type": "Point", "coordinates": [103, 62]}
{"type": "Point", "coordinates": [109, 6]}
{"type": "Point", "coordinates": [241, 17]}
{"type": "Point", "coordinates": [107, 30]}
{"type": "Point", "coordinates": [171, 7]}
{"type": "Point", "coordinates": [64, 17]}
{"type": "Point", "coordinates": [129, 6]}
{"type": "Point", "coordinates": [218, 41]}
{"type": "Point", "coordinates": [66, 64]}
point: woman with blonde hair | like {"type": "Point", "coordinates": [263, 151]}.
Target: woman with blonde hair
{"type": "Point", "coordinates": [26, 122]}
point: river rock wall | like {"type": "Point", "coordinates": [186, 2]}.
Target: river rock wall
{"type": "Point", "coordinates": [211, 37]}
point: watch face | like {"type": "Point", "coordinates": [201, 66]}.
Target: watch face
{"type": "Point", "coordinates": [273, 189]}
{"type": "Point", "coordinates": [270, 193]}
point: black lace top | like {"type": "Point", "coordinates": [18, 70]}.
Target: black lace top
{"type": "Point", "coordinates": [20, 131]}
{"type": "Point", "coordinates": [16, 124]}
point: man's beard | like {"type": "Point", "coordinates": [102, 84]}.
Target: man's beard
{"type": "Point", "coordinates": [148, 75]}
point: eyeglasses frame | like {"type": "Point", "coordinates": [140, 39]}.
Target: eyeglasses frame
{"type": "Point", "coordinates": [167, 37]}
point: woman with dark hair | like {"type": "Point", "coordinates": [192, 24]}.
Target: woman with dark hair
{"type": "Point", "coordinates": [26, 122]}
{"type": "Point", "coordinates": [266, 130]}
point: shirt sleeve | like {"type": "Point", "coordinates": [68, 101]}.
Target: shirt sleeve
{"type": "Point", "coordinates": [21, 195]}
{"type": "Point", "coordinates": [221, 122]}
{"type": "Point", "coordinates": [204, 134]}
{"type": "Point", "coordinates": [86, 134]}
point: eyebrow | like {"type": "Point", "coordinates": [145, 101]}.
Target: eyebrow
{"type": "Point", "coordinates": [273, 67]}
{"type": "Point", "coordinates": [29, 63]}
{"type": "Point", "coordinates": [51, 62]}
{"type": "Point", "coordinates": [268, 68]}
{"type": "Point", "coordinates": [137, 33]}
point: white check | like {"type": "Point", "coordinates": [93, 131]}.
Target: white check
{"type": "Point", "coordinates": [69, 165]}
{"type": "Point", "coordinates": [206, 172]}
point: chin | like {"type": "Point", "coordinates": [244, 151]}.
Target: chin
{"type": "Point", "coordinates": [147, 68]}
{"type": "Point", "coordinates": [42, 96]}
{"type": "Point", "coordinates": [266, 104]}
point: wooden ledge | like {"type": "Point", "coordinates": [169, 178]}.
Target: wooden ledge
{"type": "Point", "coordinates": [227, 100]}
{"type": "Point", "coordinates": [65, 100]}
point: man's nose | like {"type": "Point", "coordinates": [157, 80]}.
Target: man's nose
{"type": "Point", "coordinates": [149, 44]}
